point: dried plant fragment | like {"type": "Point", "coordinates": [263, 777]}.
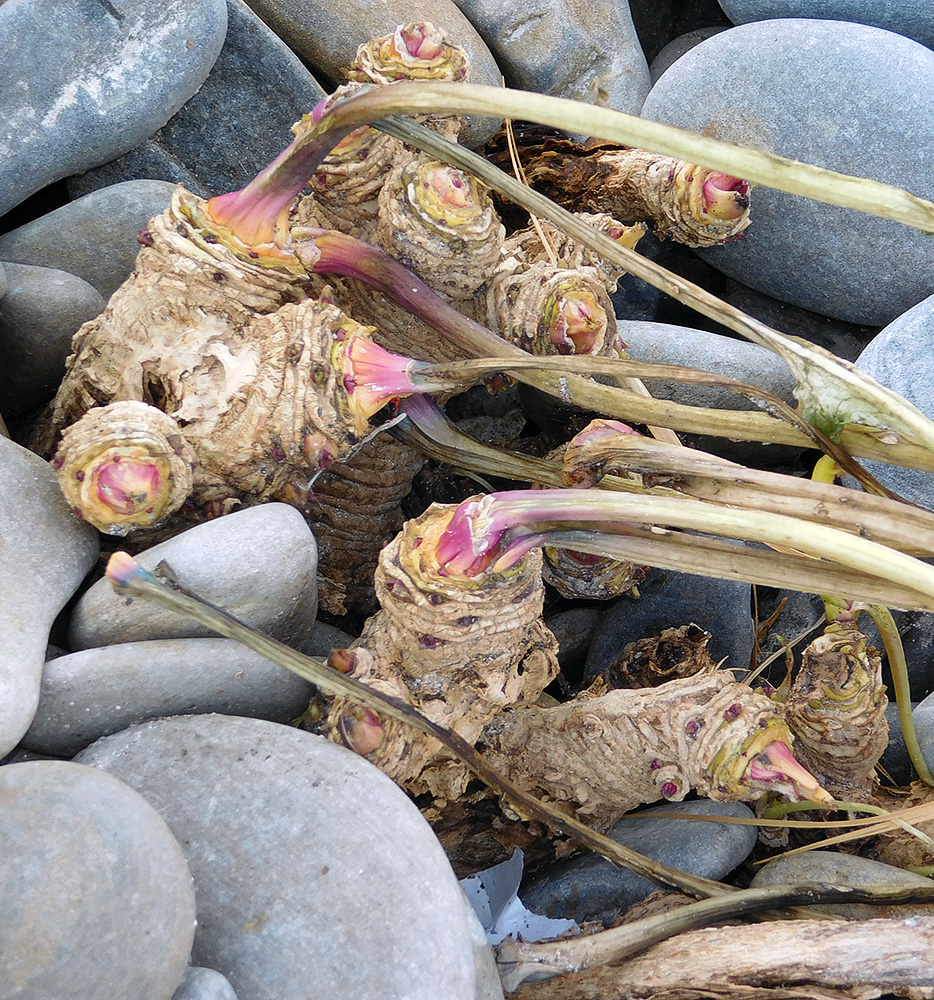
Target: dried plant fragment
{"type": "Point", "coordinates": [686, 202]}
{"type": "Point", "coordinates": [124, 466]}
{"type": "Point", "coordinates": [675, 653]}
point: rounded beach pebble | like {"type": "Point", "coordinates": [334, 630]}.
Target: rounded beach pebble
{"type": "Point", "coordinates": [97, 897]}
{"type": "Point", "coordinates": [315, 874]}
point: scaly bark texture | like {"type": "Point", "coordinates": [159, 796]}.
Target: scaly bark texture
{"type": "Point", "coordinates": [676, 652]}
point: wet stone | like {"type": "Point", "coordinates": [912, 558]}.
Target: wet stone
{"type": "Point", "coordinates": [238, 122]}
{"type": "Point", "coordinates": [591, 888]}
{"type": "Point", "coordinates": [74, 834]}
{"type": "Point", "coordinates": [82, 83]}
{"type": "Point", "coordinates": [307, 860]}
{"type": "Point", "coordinates": [40, 313]}
{"type": "Point", "coordinates": [94, 237]}
{"type": "Point", "coordinates": [259, 564]}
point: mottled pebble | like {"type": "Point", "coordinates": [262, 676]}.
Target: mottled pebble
{"type": "Point", "coordinates": [204, 984]}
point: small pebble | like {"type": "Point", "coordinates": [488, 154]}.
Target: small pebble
{"type": "Point", "coordinates": [46, 553]}
{"type": "Point", "coordinates": [204, 984]}
{"type": "Point", "coordinates": [81, 84]}
{"type": "Point", "coordinates": [259, 564]}
{"type": "Point", "coordinates": [591, 888]}
{"type": "Point", "coordinates": [94, 237]}
{"type": "Point", "coordinates": [307, 861]}
{"type": "Point", "coordinates": [676, 48]}
{"type": "Point", "coordinates": [97, 896]}
{"type": "Point", "coordinates": [40, 313]}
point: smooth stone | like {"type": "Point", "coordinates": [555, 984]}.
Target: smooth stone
{"type": "Point", "coordinates": [847, 871]}
{"type": "Point", "coordinates": [895, 760]}
{"type": "Point", "coordinates": [96, 692]}
{"type": "Point", "coordinates": [914, 18]}
{"type": "Point", "coordinates": [574, 629]}
{"type": "Point", "coordinates": [259, 564]}
{"type": "Point", "coordinates": [567, 48]}
{"type": "Point", "coordinates": [900, 358]}
{"type": "Point", "coordinates": [659, 22]}
{"type": "Point", "coordinates": [591, 888]}
{"type": "Point", "coordinates": [923, 717]}
{"type": "Point", "coordinates": [327, 34]}
{"type": "Point", "coordinates": [310, 865]}
{"type": "Point", "coordinates": [3, 284]}
{"type": "Point", "coordinates": [98, 900]}
{"type": "Point", "coordinates": [94, 237]}
{"type": "Point", "coordinates": [851, 98]}
{"type": "Point", "coordinates": [325, 637]}
{"type": "Point", "coordinates": [676, 48]}
{"type": "Point", "coordinates": [46, 553]}
{"type": "Point", "coordinates": [204, 984]}
{"type": "Point", "coordinates": [669, 599]}
{"type": "Point", "coordinates": [40, 313]}
{"type": "Point", "coordinates": [237, 123]}
{"type": "Point", "coordinates": [81, 84]}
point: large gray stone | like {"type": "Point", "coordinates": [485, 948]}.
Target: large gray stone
{"type": "Point", "coordinates": [855, 99]}
{"type": "Point", "coordinates": [94, 237]}
{"type": "Point", "coordinates": [40, 313]}
{"type": "Point", "coordinates": [914, 18]}
{"type": "Point", "coordinates": [259, 564]}
{"type": "Point", "coordinates": [81, 83]}
{"type": "Point", "coordinates": [45, 552]}
{"type": "Point", "coordinates": [238, 122]}
{"type": "Point", "coordinates": [315, 875]}
{"type": "Point", "coordinates": [97, 897]}
{"type": "Point", "coordinates": [96, 692]}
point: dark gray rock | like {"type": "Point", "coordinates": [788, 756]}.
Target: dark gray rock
{"type": "Point", "coordinates": [46, 552]}
{"type": "Point", "coordinates": [669, 599]}
{"type": "Point", "coordinates": [900, 358]}
{"type": "Point", "coordinates": [327, 33]}
{"type": "Point", "coordinates": [591, 888]}
{"type": "Point", "coordinates": [94, 237]}
{"type": "Point", "coordinates": [238, 122]}
{"type": "Point", "coordinates": [676, 48]}
{"type": "Point", "coordinates": [97, 897]}
{"type": "Point", "coordinates": [3, 285]}
{"type": "Point", "coordinates": [82, 83]}
{"type": "Point", "coordinates": [259, 564]}
{"type": "Point", "coordinates": [324, 638]}
{"type": "Point", "coordinates": [914, 18]}
{"type": "Point", "coordinates": [40, 313]}
{"type": "Point", "coordinates": [96, 692]}
{"type": "Point", "coordinates": [310, 865]}
{"type": "Point", "coordinates": [574, 630]}
{"type": "Point", "coordinates": [858, 100]}
{"type": "Point", "coordinates": [204, 984]}
{"type": "Point", "coordinates": [923, 716]}
{"type": "Point", "coordinates": [895, 761]}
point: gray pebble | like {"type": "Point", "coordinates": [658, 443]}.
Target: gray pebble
{"type": "Point", "coordinates": [847, 871]}
{"type": "Point", "coordinates": [669, 599]}
{"type": "Point", "coordinates": [914, 18]}
{"type": "Point", "coordinates": [46, 553]}
{"type": "Point", "coordinates": [895, 760]}
{"type": "Point", "coordinates": [238, 122]}
{"type": "Point", "coordinates": [324, 638]}
{"type": "Point", "coordinates": [96, 692]}
{"type": "Point", "coordinates": [259, 564]}
{"type": "Point", "coordinates": [567, 48]}
{"type": "Point", "coordinates": [900, 358]}
{"type": "Point", "coordinates": [327, 33]}
{"type": "Point", "coordinates": [855, 99]}
{"type": "Point", "coordinates": [40, 313]}
{"type": "Point", "coordinates": [204, 984]}
{"type": "Point", "coordinates": [82, 83]}
{"type": "Point", "coordinates": [98, 900]}
{"type": "Point", "coordinates": [574, 629]}
{"type": "Point", "coordinates": [93, 237]}
{"type": "Point", "coordinates": [591, 888]}
{"type": "Point", "coordinates": [310, 865]}
{"type": "Point", "coordinates": [676, 48]}
{"type": "Point", "coordinates": [3, 285]}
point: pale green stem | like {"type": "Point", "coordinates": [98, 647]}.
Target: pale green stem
{"type": "Point", "coordinates": [779, 810]}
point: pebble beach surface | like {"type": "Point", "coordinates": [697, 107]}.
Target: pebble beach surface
{"type": "Point", "coordinates": [166, 834]}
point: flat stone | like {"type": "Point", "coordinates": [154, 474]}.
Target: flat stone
{"type": "Point", "coordinates": [327, 34]}
{"type": "Point", "coordinates": [47, 552]}
{"type": "Point", "coordinates": [97, 897]}
{"type": "Point", "coordinates": [899, 358]}
{"type": "Point", "coordinates": [81, 84]}
{"type": "Point", "coordinates": [235, 125]}
{"type": "Point", "coordinates": [591, 888]}
{"type": "Point", "coordinates": [96, 692]}
{"type": "Point", "coordinates": [914, 18]}
{"type": "Point", "coordinates": [93, 237]}
{"type": "Point", "coordinates": [259, 564]}
{"type": "Point", "coordinates": [204, 984]}
{"type": "Point", "coordinates": [307, 860]}
{"type": "Point", "coordinates": [851, 98]}
{"type": "Point", "coordinates": [40, 313]}
{"type": "Point", "coordinates": [567, 48]}
{"type": "Point", "coordinates": [669, 599]}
